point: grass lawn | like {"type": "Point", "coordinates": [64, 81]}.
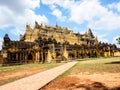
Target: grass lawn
{"type": "Point", "coordinates": [12, 73]}
{"type": "Point", "coordinates": [111, 64]}
{"type": "Point", "coordinates": [98, 65]}
{"type": "Point", "coordinates": [18, 67]}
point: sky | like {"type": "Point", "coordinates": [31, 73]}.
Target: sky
{"type": "Point", "coordinates": [102, 16]}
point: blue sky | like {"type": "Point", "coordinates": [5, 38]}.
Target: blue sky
{"type": "Point", "coordinates": [102, 16]}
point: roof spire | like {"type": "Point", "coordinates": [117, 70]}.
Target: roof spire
{"type": "Point", "coordinates": [36, 25]}
{"type": "Point", "coordinates": [6, 38]}
{"type": "Point", "coordinates": [90, 33]}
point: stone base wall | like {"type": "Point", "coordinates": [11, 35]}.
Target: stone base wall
{"type": "Point", "coordinates": [117, 53]}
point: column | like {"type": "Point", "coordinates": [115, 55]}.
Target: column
{"type": "Point", "coordinates": [42, 56]}
{"type": "Point", "coordinates": [36, 57]}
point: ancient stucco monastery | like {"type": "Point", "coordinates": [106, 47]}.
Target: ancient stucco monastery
{"type": "Point", "coordinates": [45, 43]}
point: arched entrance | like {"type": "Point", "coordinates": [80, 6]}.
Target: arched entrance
{"type": "Point", "coordinates": [30, 58]}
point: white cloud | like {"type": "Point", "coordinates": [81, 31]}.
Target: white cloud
{"type": "Point", "coordinates": [80, 11]}
{"type": "Point", "coordinates": [101, 37]}
{"type": "Point", "coordinates": [62, 3]}
{"type": "Point", "coordinates": [1, 41]}
{"type": "Point", "coordinates": [52, 7]}
{"type": "Point", "coordinates": [55, 11]}
{"type": "Point", "coordinates": [6, 16]}
{"type": "Point", "coordinates": [17, 13]}
{"type": "Point", "coordinates": [96, 15]}
{"type": "Point", "coordinates": [32, 3]}
{"type": "Point", "coordinates": [115, 6]}
{"type": "Point", "coordinates": [106, 22]}
{"type": "Point", "coordinates": [66, 4]}
{"type": "Point", "coordinates": [58, 14]}
{"type": "Point", "coordinates": [30, 17]}
{"type": "Point", "coordinates": [18, 6]}
{"type": "Point", "coordinates": [17, 31]}
{"type": "Point", "coordinates": [85, 11]}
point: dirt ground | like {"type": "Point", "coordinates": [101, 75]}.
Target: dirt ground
{"type": "Point", "coordinates": [86, 81]}
{"type": "Point", "coordinates": [6, 77]}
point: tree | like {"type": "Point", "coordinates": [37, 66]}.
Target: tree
{"type": "Point", "coordinates": [118, 40]}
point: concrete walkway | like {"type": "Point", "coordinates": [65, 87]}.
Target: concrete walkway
{"type": "Point", "coordinates": [38, 80]}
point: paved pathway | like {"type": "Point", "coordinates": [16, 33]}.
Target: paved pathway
{"type": "Point", "coordinates": [38, 80]}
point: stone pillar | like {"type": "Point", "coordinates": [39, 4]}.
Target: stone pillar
{"type": "Point", "coordinates": [17, 56]}
{"type": "Point", "coordinates": [20, 57]}
{"type": "Point", "coordinates": [74, 53]}
{"type": "Point", "coordinates": [38, 56]}
{"type": "Point", "coordinates": [49, 57]}
{"type": "Point", "coordinates": [41, 56]}
{"type": "Point", "coordinates": [9, 57]}
{"type": "Point", "coordinates": [65, 53]}
{"type": "Point", "coordinates": [12, 57]}
{"type": "Point", "coordinates": [25, 57]}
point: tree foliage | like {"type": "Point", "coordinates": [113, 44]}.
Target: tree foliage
{"type": "Point", "coordinates": [118, 40]}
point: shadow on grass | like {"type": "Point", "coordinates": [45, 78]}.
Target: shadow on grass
{"type": "Point", "coordinates": [115, 62]}
{"type": "Point", "coordinates": [95, 86]}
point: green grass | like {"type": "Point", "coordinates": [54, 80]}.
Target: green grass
{"type": "Point", "coordinates": [40, 65]}
{"type": "Point", "coordinates": [98, 65]}
{"type": "Point", "coordinates": [110, 64]}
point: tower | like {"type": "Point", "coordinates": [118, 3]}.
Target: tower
{"type": "Point", "coordinates": [6, 38]}
{"type": "Point", "coordinates": [90, 34]}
